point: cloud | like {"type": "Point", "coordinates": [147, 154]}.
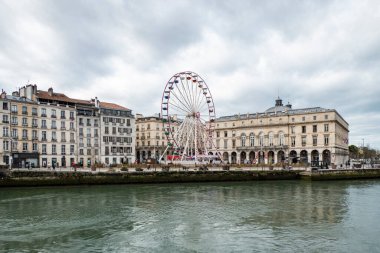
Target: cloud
{"type": "Point", "coordinates": [313, 53]}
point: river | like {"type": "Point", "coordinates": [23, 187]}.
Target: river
{"type": "Point", "coordinates": [264, 216]}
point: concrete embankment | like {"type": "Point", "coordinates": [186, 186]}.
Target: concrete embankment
{"type": "Point", "coordinates": [25, 178]}
{"type": "Point", "coordinates": [341, 174]}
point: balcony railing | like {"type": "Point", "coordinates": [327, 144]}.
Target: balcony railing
{"type": "Point", "coordinates": [43, 114]}
{"type": "Point", "coordinates": [43, 126]}
{"type": "Point", "coordinates": [63, 117]}
{"type": "Point", "coordinates": [34, 113]}
{"type": "Point", "coordinates": [53, 139]}
{"type": "Point", "coordinates": [6, 121]}
{"type": "Point", "coordinates": [53, 127]}
{"type": "Point", "coordinates": [54, 116]}
{"type": "Point", "coordinates": [34, 125]}
{"type": "Point", "coordinates": [63, 140]}
{"type": "Point", "coordinates": [24, 112]}
{"type": "Point", "coordinates": [14, 112]}
{"type": "Point", "coordinates": [63, 128]}
{"type": "Point", "coordinates": [14, 123]}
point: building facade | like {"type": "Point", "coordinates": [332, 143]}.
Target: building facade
{"type": "Point", "coordinates": [117, 130]}
{"type": "Point", "coordinates": [282, 134]}
{"type": "Point", "coordinates": [49, 129]}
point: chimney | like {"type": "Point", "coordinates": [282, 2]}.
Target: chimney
{"type": "Point", "coordinates": [289, 105]}
{"type": "Point", "coordinates": [97, 102]}
{"type": "Point", "coordinates": [50, 91]}
{"type": "Point", "coordinates": [15, 94]}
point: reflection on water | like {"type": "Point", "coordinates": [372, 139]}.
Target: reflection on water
{"type": "Point", "coordinates": [284, 216]}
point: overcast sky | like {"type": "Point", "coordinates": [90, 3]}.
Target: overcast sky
{"type": "Point", "coordinates": [311, 53]}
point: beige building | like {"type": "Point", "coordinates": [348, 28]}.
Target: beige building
{"type": "Point", "coordinates": [310, 135]}
{"type": "Point", "coordinates": [151, 141]}
{"type": "Point", "coordinates": [19, 135]}
{"type": "Point", "coordinates": [45, 128]}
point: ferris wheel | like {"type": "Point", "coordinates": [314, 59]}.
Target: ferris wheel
{"type": "Point", "coordinates": [188, 115]}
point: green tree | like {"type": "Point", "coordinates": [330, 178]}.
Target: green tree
{"type": "Point", "coordinates": [354, 151]}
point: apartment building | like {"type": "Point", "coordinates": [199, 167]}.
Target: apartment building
{"type": "Point", "coordinates": [151, 141]}
{"type": "Point", "coordinates": [117, 133]}
{"type": "Point", "coordinates": [281, 133]}
{"type": "Point", "coordinates": [45, 128]}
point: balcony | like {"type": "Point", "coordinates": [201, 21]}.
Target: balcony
{"type": "Point", "coordinates": [96, 145]}
{"type": "Point", "coordinates": [63, 140]}
{"type": "Point", "coordinates": [6, 121]}
{"type": "Point", "coordinates": [14, 123]}
{"type": "Point", "coordinates": [96, 135]}
{"type": "Point", "coordinates": [72, 118]}
{"type": "Point", "coordinates": [63, 128]}
{"type": "Point", "coordinates": [44, 139]}
{"type": "Point", "coordinates": [88, 124]}
{"type": "Point", "coordinates": [96, 125]}
{"type": "Point", "coordinates": [44, 127]}
{"type": "Point", "coordinates": [88, 145]}
{"type": "Point", "coordinates": [63, 117]}
{"type": "Point", "coordinates": [72, 141]}
{"type": "Point", "coordinates": [81, 145]}
{"type": "Point", "coordinates": [54, 139]}
{"type": "Point", "coordinates": [63, 153]}
{"type": "Point", "coordinates": [34, 125]}
{"type": "Point", "coordinates": [54, 116]}
{"type": "Point", "coordinates": [14, 112]}
{"type": "Point", "coordinates": [44, 153]}
{"type": "Point", "coordinates": [54, 153]}
{"type": "Point", "coordinates": [24, 113]}
{"type": "Point", "coordinates": [25, 124]}
{"type": "Point", "coordinates": [35, 138]}
{"type": "Point", "coordinates": [53, 127]}
{"type": "Point", "coordinates": [43, 114]}
{"type": "Point", "coordinates": [81, 124]}
{"type": "Point", "coordinates": [25, 138]}
{"type": "Point", "coordinates": [34, 113]}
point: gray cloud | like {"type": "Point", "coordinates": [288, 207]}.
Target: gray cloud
{"type": "Point", "coordinates": [315, 53]}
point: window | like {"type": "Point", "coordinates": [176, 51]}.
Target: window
{"type": "Point", "coordinates": [24, 146]}
{"type": "Point", "coordinates": [106, 130]}
{"type": "Point", "coordinates": [81, 152]}
{"type": "Point", "coordinates": [314, 117]}
{"type": "Point", "coordinates": [234, 143]}
{"type": "Point", "coordinates": [71, 136]}
{"type": "Point", "coordinates": [217, 134]}
{"type": "Point", "coordinates": [88, 151]}
{"type": "Point", "coordinates": [5, 119]}
{"type": "Point", "coordinates": [326, 127]}
{"type": "Point", "coordinates": [54, 149]}
{"type": "Point", "coordinates": [71, 149]}
{"type": "Point", "coordinates": [34, 123]}
{"type": "Point", "coordinates": [243, 137]}
{"type": "Point", "coordinates": [14, 108]}
{"type": "Point", "coordinates": [271, 139]}
{"type": "Point", "coordinates": [326, 140]}
{"type": "Point", "coordinates": [233, 133]}
{"type": "Point", "coordinates": [293, 120]}
{"type": "Point", "coordinates": [63, 149]}
{"type": "Point", "coordinates": [282, 139]}
{"type": "Point", "coordinates": [34, 111]}
{"type": "Point", "coordinates": [43, 112]}
{"type": "Point", "coordinates": [14, 133]}
{"type": "Point", "coordinates": [63, 114]}
{"type": "Point", "coordinates": [225, 143]}
{"type": "Point", "coordinates": [225, 134]}
{"type": "Point", "coordinates": [34, 134]}
{"type": "Point", "coordinates": [303, 129]}
{"type": "Point", "coordinates": [24, 110]}
{"type": "Point", "coordinates": [303, 118]}
{"type": "Point", "coordinates": [326, 116]}
{"type": "Point", "coordinates": [6, 145]}
{"type": "Point", "coordinates": [71, 115]}
{"type": "Point", "coordinates": [251, 139]}
{"type": "Point", "coordinates": [63, 136]}
{"type": "Point", "coordinates": [63, 125]}
{"type": "Point", "coordinates": [292, 129]}
{"type": "Point", "coordinates": [315, 140]}
{"type": "Point", "coordinates": [81, 121]}
{"type": "Point", "coordinates": [35, 147]}
{"type": "Point", "coordinates": [218, 144]}
{"type": "Point", "coordinates": [5, 131]}
{"type": "Point", "coordinates": [5, 106]}
{"type": "Point", "coordinates": [44, 135]}
{"type": "Point", "coordinates": [24, 121]}
{"type": "Point", "coordinates": [44, 149]}
{"type": "Point", "coordinates": [88, 122]}
{"type": "Point", "coordinates": [43, 123]}
{"type": "Point", "coordinates": [293, 141]}
{"type": "Point", "coordinates": [14, 120]}
{"type": "Point", "coordinates": [303, 141]}
{"type": "Point", "coordinates": [53, 113]}
{"type": "Point", "coordinates": [314, 128]}
{"type": "Point", "coordinates": [24, 134]}
{"type": "Point", "coordinates": [53, 124]}
{"type": "Point", "coordinates": [54, 136]}
{"type": "Point", "coordinates": [261, 139]}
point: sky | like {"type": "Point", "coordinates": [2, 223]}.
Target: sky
{"type": "Point", "coordinates": [310, 53]}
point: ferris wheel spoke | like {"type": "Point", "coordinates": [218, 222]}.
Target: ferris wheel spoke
{"type": "Point", "coordinates": [182, 101]}
{"type": "Point", "coordinates": [186, 92]}
{"type": "Point", "coordinates": [177, 108]}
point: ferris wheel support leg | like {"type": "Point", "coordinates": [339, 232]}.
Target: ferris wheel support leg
{"type": "Point", "coordinates": [166, 149]}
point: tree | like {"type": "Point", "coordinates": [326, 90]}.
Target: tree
{"type": "Point", "coordinates": [354, 151]}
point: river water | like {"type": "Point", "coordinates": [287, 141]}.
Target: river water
{"type": "Point", "coordinates": [273, 216]}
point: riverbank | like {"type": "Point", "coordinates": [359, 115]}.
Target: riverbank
{"type": "Point", "coordinates": [50, 178]}
{"type": "Point", "coordinates": [19, 178]}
